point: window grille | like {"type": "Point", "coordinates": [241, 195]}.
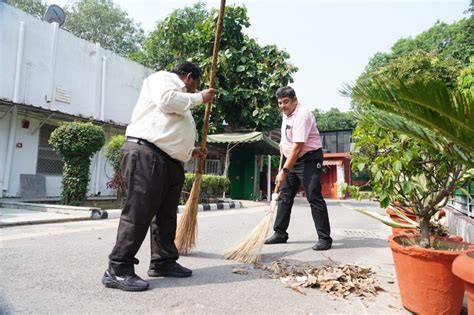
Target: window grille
{"type": "Point", "coordinates": [49, 163]}
{"type": "Point", "coordinates": [213, 167]}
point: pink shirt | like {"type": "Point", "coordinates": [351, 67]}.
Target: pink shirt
{"type": "Point", "coordinates": [300, 126]}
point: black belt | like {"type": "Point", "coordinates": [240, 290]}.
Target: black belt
{"type": "Point", "coordinates": [153, 147]}
{"type": "Point", "coordinates": [148, 144]}
{"type": "Point", "coordinates": [307, 154]}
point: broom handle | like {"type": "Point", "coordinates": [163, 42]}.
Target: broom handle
{"type": "Point", "coordinates": [277, 188]}
{"type": "Point", "coordinates": [212, 79]}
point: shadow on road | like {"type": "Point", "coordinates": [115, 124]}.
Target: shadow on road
{"type": "Point", "coordinates": [206, 276]}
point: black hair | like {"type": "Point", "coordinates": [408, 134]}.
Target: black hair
{"type": "Point", "coordinates": [188, 67]}
{"type": "Point", "coordinates": [285, 91]}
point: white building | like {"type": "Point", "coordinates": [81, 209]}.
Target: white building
{"type": "Point", "coordinates": [47, 76]}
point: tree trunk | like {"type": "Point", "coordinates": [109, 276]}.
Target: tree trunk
{"type": "Point", "coordinates": [425, 231]}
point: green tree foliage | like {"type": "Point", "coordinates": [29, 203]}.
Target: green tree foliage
{"type": "Point", "coordinates": [405, 170]}
{"type": "Point", "coordinates": [247, 76]}
{"type": "Point", "coordinates": [446, 41]}
{"type": "Point", "coordinates": [169, 43]}
{"type": "Point", "coordinates": [415, 119]}
{"type": "Point", "coordinates": [436, 54]}
{"type": "Point", "coordinates": [466, 79]}
{"type": "Point", "coordinates": [33, 7]}
{"type": "Point", "coordinates": [416, 82]}
{"type": "Point", "coordinates": [420, 107]}
{"type": "Point", "coordinates": [76, 143]}
{"type": "Point", "coordinates": [334, 119]}
{"type": "Point", "coordinates": [103, 22]}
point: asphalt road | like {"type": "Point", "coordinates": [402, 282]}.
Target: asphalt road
{"type": "Point", "coordinates": [57, 268]}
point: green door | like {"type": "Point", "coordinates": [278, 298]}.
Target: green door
{"type": "Point", "coordinates": [242, 174]}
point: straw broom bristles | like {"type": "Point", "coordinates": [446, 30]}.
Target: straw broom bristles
{"type": "Point", "coordinates": [187, 230]}
{"type": "Point", "coordinates": [249, 249]}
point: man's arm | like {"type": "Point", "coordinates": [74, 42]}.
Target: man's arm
{"type": "Point", "coordinates": [179, 102]}
{"type": "Point", "coordinates": [290, 162]}
{"type": "Point", "coordinates": [163, 92]}
{"type": "Point", "coordinates": [176, 102]}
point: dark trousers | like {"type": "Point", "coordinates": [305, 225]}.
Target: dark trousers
{"type": "Point", "coordinates": [307, 170]}
{"type": "Point", "coordinates": [154, 181]}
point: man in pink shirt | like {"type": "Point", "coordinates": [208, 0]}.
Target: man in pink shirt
{"type": "Point", "coordinates": [301, 145]}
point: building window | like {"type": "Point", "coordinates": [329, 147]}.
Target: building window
{"type": "Point", "coordinates": [212, 167]}
{"type": "Point", "coordinates": [336, 141]}
{"type": "Point", "coordinates": [49, 163]}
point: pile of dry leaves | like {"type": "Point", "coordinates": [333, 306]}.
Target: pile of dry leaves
{"type": "Point", "coordinates": [340, 280]}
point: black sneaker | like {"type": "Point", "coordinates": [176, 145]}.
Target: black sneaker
{"type": "Point", "coordinates": [276, 238]}
{"type": "Point", "coordinates": [323, 245]}
{"type": "Point", "coordinates": [126, 283]}
{"type": "Point", "coordinates": [171, 269]}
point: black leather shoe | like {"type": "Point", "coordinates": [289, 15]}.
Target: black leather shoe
{"type": "Point", "coordinates": [125, 283]}
{"type": "Point", "coordinates": [276, 238]}
{"type": "Point", "coordinates": [323, 245]}
{"type": "Point", "coordinates": [172, 269]}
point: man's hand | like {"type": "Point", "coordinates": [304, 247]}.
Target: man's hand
{"type": "Point", "coordinates": [199, 153]}
{"type": "Point", "coordinates": [280, 178]}
{"type": "Point", "coordinates": [207, 95]}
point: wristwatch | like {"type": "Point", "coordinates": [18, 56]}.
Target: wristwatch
{"type": "Point", "coordinates": [285, 170]}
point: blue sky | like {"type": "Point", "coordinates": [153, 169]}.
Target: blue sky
{"type": "Point", "coordinates": [329, 41]}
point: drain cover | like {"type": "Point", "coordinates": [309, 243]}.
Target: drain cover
{"type": "Point", "coordinates": [362, 233]}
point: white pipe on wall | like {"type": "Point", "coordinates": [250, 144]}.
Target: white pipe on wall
{"type": "Point", "coordinates": [19, 62]}
{"type": "Point", "coordinates": [97, 171]}
{"type": "Point", "coordinates": [102, 88]}
{"type": "Point", "coordinates": [52, 62]}
{"type": "Point", "coordinates": [27, 83]}
{"type": "Point", "coordinates": [102, 117]}
{"type": "Point", "coordinates": [11, 140]}
{"type": "Point", "coordinates": [14, 114]}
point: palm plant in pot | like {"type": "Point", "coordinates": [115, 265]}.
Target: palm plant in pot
{"type": "Point", "coordinates": [416, 138]}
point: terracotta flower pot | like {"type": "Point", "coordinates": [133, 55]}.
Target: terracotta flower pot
{"type": "Point", "coordinates": [463, 267]}
{"type": "Point", "coordinates": [425, 280]}
{"type": "Point", "coordinates": [396, 218]}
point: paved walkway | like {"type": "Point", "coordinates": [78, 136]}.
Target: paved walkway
{"type": "Point", "coordinates": [56, 268]}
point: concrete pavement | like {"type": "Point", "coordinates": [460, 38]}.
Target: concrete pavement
{"type": "Point", "coordinates": [56, 268]}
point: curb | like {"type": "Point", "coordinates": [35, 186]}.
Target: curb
{"type": "Point", "coordinates": [94, 213]}
{"type": "Point", "coordinates": [115, 213]}
{"type": "Point", "coordinates": [215, 206]}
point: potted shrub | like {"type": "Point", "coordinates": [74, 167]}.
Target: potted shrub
{"type": "Point", "coordinates": [418, 148]}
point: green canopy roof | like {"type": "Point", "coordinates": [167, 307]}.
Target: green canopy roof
{"type": "Point", "coordinates": [253, 140]}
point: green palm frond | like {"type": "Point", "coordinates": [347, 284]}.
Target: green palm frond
{"type": "Point", "coordinates": [430, 104]}
{"type": "Point", "coordinates": [405, 126]}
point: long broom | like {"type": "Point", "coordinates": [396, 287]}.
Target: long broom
{"type": "Point", "coordinates": [249, 249]}
{"type": "Point", "coordinates": [186, 232]}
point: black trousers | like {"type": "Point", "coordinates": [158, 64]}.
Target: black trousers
{"type": "Point", "coordinates": [307, 170]}
{"type": "Point", "coordinates": [154, 181]}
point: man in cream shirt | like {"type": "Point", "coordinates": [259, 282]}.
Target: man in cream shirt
{"type": "Point", "coordinates": [160, 138]}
